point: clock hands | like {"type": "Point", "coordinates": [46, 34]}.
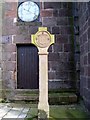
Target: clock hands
{"type": "Point", "coordinates": [26, 10]}
{"type": "Point", "coordinates": [30, 12]}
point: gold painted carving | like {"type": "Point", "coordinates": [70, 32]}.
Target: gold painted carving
{"type": "Point", "coordinates": [42, 38]}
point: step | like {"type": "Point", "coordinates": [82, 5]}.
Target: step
{"type": "Point", "coordinates": [54, 98]}
{"type": "Point", "coordinates": [26, 91]}
{"type": "Point", "coordinates": [62, 98]}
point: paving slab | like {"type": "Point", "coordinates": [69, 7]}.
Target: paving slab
{"type": "Point", "coordinates": [24, 112]}
{"type": "Point", "coordinates": [13, 111]}
{"type": "Point", "coordinates": [4, 110]}
{"type": "Point", "coordinates": [2, 105]}
{"type": "Point", "coordinates": [12, 114]}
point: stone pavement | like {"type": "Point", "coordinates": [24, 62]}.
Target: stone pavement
{"type": "Point", "coordinates": [16, 111]}
{"type": "Point", "coordinates": [13, 111]}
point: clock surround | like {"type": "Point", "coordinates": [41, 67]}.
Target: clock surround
{"type": "Point", "coordinates": [28, 11]}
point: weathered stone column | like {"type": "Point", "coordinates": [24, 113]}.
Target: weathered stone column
{"type": "Point", "coordinates": [43, 39]}
{"type": "Point", "coordinates": [43, 105]}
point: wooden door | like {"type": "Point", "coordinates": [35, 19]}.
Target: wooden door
{"type": "Point", "coordinates": [27, 67]}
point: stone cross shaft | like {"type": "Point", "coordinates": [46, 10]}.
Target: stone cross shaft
{"type": "Point", "coordinates": [43, 39]}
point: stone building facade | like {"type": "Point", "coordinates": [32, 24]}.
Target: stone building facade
{"type": "Point", "coordinates": [84, 37]}
{"type": "Point", "coordinates": [63, 20]}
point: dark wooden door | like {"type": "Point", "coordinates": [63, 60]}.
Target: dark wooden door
{"type": "Point", "coordinates": [27, 67]}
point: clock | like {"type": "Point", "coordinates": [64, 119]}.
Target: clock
{"type": "Point", "coordinates": [28, 11]}
{"type": "Point", "coordinates": [43, 39]}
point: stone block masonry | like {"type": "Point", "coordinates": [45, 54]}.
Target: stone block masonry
{"type": "Point", "coordinates": [57, 17]}
{"type": "Point", "coordinates": [84, 37]}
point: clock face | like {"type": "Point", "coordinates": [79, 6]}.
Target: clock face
{"type": "Point", "coordinates": [43, 39]}
{"type": "Point", "coordinates": [28, 11]}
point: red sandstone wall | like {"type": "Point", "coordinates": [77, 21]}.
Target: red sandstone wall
{"type": "Point", "coordinates": [58, 18]}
